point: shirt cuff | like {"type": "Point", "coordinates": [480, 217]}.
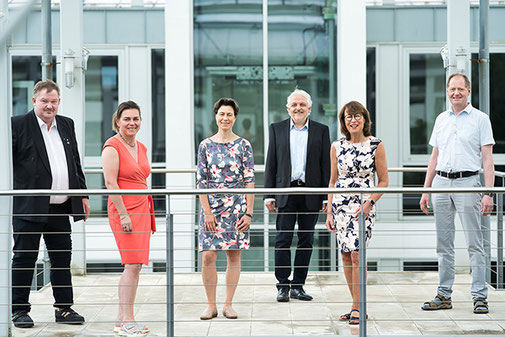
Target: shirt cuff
{"type": "Point", "coordinates": [325, 202]}
{"type": "Point", "coordinates": [269, 200]}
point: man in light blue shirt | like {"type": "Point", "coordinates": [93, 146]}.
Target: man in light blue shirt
{"type": "Point", "coordinates": [462, 141]}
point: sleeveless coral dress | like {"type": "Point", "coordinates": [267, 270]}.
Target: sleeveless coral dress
{"type": "Point", "coordinates": [133, 246]}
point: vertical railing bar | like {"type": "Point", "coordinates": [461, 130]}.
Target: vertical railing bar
{"type": "Point", "coordinates": [362, 272]}
{"type": "Point", "coordinates": [486, 234]}
{"type": "Point", "coordinates": [499, 239]}
{"type": "Point", "coordinates": [170, 269]}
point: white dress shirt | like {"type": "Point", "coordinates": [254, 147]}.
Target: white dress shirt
{"type": "Point", "coordinates": [57, 160]}
{"type": "Point", "coordinates": [459, 139]}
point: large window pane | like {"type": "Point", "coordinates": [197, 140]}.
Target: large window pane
{"type": "Point", "coordinates": [497, 99]}
{"type": "Point", "coordinates": [228, 59]}
{"type": "Point", "coordinates": [298, 56]}
{"type": "Point", "coordinates": [427, 98]}
{"type": "Point", "coordinates": [26, 71]}
{"type": "Point", "coordinates": [158, 104]}
{"type": "Point", "coordinates": [101, 101]}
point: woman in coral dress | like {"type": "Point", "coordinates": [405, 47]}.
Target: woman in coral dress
{"type": "Point", "coordinates": [131, 217]}
{"type": "Point", "coordinates": [225, 161]}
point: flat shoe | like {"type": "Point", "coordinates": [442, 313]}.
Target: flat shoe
{"type": "Point", "coordinates": [228, 312]}
{"type": "Point", "coordinates": [208, 314]}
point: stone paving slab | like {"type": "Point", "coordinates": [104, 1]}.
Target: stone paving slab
{"type": "Point", "coordinates": [394, 302]}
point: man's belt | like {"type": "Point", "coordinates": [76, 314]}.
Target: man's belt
{"type": "Point", "coordinates": [456, 175]}
{"type": "Point", "coordinates": [297, 182]}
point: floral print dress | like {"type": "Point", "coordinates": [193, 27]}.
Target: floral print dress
{"type": "Point", "coordinates": [225, 166]}
{"type": "Point", "coordinates": [356, 169]}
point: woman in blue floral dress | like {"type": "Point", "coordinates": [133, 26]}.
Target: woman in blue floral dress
{"type": "Point", "coordinates": [225, 161]}
{"type": "Point", "coordinates": [355, 158]}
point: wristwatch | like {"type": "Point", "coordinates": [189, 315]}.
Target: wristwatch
{"type": "Point", "coordinates": [371, 202]}
{"type": "Point", "coordinates": [489, 194]}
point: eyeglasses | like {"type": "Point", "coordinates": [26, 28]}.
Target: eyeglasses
{"type": "Point", "coordinates": [357, 117]}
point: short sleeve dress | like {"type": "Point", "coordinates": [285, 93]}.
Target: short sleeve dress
{"type": "Point", "coordinates": [133, 246]}
{"type": "Point", "coordinates": [225, 166]}
{"type": "Point", "coordinates": [356, 169]}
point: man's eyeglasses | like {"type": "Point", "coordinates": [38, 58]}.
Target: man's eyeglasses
{"type": "Point", "coordinates": [357, 117]}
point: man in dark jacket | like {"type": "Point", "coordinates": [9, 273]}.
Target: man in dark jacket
{"type": "Point", "coordinates": [45, 156]}
{"type": "Point", "coordinates": [298, 156]}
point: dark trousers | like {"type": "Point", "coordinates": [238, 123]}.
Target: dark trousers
{"type": "Point", "coordinates": [26, 249]}
{"type": "Point", "coordinates": [295, 209]}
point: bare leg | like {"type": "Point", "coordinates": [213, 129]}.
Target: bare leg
{"type": "Point", "coordinates": [127, 290]}
{"type": "Point", "coordinates": [209, 276]}
{"type": "Point", "coordinates": [347, 262]}
{"type": "Point", "coordinates": [355, 278]}
{"type": "Point", "coordinates": [232, 275]}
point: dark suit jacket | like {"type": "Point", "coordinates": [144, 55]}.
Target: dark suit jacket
{"type": "Point", "coordinates": [278, 164]}
{"type": "Point", "coordinates": [32, 170]}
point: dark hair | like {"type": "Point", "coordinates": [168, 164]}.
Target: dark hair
{"type": "Point", "coordinates": [227, 102]}
{"type": "Point", "coordinates": [352, 108]}
{"type": "Point", "coordinates": [48, 85]}
{"type": "Point", "coordinates": [467, 80]}
{"type": "Point", "coordinates": [122, 107]}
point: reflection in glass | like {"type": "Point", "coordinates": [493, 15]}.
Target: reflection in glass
{"type": "Point", "coordinates": [497, 99]}
{"type": "Point", "coordinates": [26, 71]}
{"type": "Point", "coordinates": [427, 98]}
{"type": "Point", "coordinates": [298, 56]}
{"type": "Point", "coordinates": [101, 101]}
{"type": "Point", "coordinates": [228, 59]}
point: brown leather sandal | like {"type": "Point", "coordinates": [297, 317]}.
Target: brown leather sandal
{"type": "Point", "coordinates": [480, 306]}
{"type": "Point", "coordinates": [439, 302]}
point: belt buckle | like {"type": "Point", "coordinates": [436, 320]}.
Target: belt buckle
{"type": "Point", "coordinates": [299, 182]}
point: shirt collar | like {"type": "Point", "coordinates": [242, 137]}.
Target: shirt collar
{"type": "Point", "coordinates": [292, 125]}
{"type": "Point", "coordinates": [468, 109]}
{"type": "Point", "coordinates": [42, 123]}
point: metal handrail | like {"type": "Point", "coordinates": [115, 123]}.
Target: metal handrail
{"type": "Point", "coordinates": [419, 169]}
{"type": "Point", "coordinates": [258, 191]}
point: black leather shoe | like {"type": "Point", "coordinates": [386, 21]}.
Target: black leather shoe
{"type": "Point", "coordinates": [68, 316]}
{"type": "Point", "coordinates": [283, 295]}
{"type": "Point", "coordinates": [300, 294]}
{"type": "Point", "coordinates": [21, 319]}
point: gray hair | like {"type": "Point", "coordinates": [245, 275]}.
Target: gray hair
{"type": "Point", "coordinates": [299, 92]}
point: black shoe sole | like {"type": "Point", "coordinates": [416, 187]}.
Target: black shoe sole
{"type": "Point", "coordinates": [67, 322]}
{"type": "Point", "coordinates": [301, 299]}
{"type": "Point", "coordinates": [24, 325]}
{"type": "Point", "coordinates": [283, 299]}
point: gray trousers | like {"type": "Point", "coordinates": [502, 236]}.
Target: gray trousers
{"type": "Point", "coordinates": [467, 205]}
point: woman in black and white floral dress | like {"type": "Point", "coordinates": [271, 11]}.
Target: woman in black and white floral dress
{"type": "Point", "coordinates": [355, 158]}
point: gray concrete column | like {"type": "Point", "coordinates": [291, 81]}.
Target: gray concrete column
{"type": "Point", "coordinates": [180, 145]}
{"type": "Point", "coordinates": [5, 180]}
{"type": "Point", "coordinates": [351, 52]}
{"type": "Point", "coordinates": [72, 102]}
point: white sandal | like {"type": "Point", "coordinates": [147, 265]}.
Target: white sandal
{"type": "Point", "coordinates": [132, 329]}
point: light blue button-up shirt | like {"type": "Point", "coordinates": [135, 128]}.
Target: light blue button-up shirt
{"type": "Point", "coordinates": [459, 139]}
{"type": "Point", "coordinates": [298, 148]}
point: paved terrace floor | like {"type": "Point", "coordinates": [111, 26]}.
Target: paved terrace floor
{"type": "Point", "coordinates": [394, 307]}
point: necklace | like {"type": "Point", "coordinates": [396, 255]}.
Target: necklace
{"type": "Point", "coordinates": [130, 145]}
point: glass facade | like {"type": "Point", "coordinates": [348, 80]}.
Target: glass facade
{"type": "Point", "coordinates": [228, 63]}
{"type": "Point", "coordinates": [101, 101]}
{"type": "Point", "coordinates": [427, 98]}
{"type": "Point", "coordinates": [26, 71]}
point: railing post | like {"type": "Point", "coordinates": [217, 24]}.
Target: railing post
{"type": "Point", "coordinates": [362, 272]}
{"type": "Point", "coordinates": [170, 270]}
{"type": "Point", "coordinates": [499, 241]}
